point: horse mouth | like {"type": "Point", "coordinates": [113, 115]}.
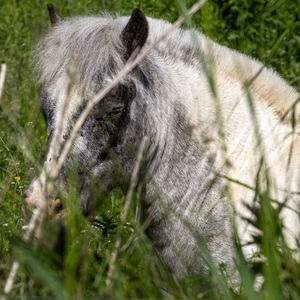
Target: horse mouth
{"type": "Point", "coordinates": [53, 207]}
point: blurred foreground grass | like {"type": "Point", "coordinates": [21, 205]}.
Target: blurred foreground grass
{"type": "Point", "coordinates": [267, 30]}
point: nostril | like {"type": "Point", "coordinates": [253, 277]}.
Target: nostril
{"type": "Point", "coordinates": [25, 194]}
{"type": "Point", "coordinates": [28, 192]}
{"type": "Point", "coordinates": [26, 197]}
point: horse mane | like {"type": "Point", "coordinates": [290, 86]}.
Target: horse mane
{"type": "Point", "coordinates": [95, 41]}
{"type": "Point", "coordinates": [260, 81]}
{"type": "Point", "coordinates": [263, 82]}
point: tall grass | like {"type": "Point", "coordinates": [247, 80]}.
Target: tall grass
{"type": "Point", "coordinates": [72, 261]}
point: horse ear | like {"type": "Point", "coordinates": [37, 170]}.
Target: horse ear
{"type": "Point", "coordinates": [135, 32]}
{"type": "Point", "coordinates": [54, 17]}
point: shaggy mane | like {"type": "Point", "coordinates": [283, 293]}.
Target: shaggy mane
{"type": "Point", "coordinates": [95, 46]}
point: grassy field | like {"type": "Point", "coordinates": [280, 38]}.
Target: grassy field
{"type": "Point", "coordinates": [267, 30]}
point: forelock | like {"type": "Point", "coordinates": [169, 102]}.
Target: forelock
{"type": "Point", "coordinates": [91, 45]}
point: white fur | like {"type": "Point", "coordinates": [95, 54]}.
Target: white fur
{"type": "Point", "coordinates": [271, 97]}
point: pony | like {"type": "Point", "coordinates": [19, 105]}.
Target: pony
{"type": "Point", "coordinates": [217, 122]}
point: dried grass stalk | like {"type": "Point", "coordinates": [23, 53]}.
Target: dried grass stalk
{"type": "Point", "coordinates": [2, 78]}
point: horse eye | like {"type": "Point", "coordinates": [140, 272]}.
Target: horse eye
{"type": "Point", "coordinates": [114, 114]}
{"type": "Point", "coordinates": [110, 115]}
{"type": "Point", "coordinates": [116, 110]}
